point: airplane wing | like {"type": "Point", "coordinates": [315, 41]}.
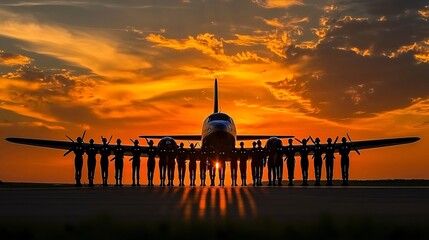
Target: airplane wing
{"type": "Point", "coordinates": [175, 137]}
{"type": "Point", "coordinates": [261, 137]}
{"type": "Point", "coordinates": [376, 143]}
{"type": "Point", "coordinates": [65, 145]}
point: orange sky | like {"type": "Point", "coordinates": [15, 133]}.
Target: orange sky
{"type": "Point", "coordinates": [284, 67]}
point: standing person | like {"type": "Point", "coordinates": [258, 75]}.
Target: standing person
{"type": "Point", "coordinates": [253, 163]}
{"type": "Point", "coordinates": [234, 165]}
{"type": "Point", "coordinates": [151, 154]}
{"type": "Point", "coordinates": [171, 164]}
{"type": "Point", "coordinates": [136, 151]}
{"type": "Point", "coordinates": [182, 155]}
{"type": "Point", "coordinates": [78, 151]}
{"type": "Point", "coordinates": [222, 167]}
{"type": "Point", "coordinates": [193, 156]}
{"type": "Point", "coordinates": [104, 160]}
{"type": "Point", "coordinates": [303, 151]}
{"type": "Point", "coordinates": [290, 151]}
{"type": "Point", "coordinates": [261, 162]}
{"type": "Point", "coordinates": [243, 163]}
{"type": "Point", "coordinates": [329, 160]}
{"type": "Point", "coordinates": [119, 162]}
{"type": "Point", "coordinates": [272, 173]}
{"type": "Point", "coordinates": [344, 151]}
{"type": "Point", "coordinates": [91, 152]}
{"type": "Point", "coordinates": [279, 164]}
{"type": "Point", "coordinates": [212, 164]}
{"type": "Point", "coordinates": [203, 156]}
{"type": "Point", "coordinates": [317, 157]}
{"type": "Point", "coordinates": [162, 166]}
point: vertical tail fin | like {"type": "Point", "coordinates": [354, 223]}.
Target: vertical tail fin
{"type": "Point", "coordinates": [216, 100]}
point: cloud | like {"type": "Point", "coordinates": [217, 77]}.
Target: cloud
{"type": "Point", "coordinates": [99, 53]}
{"type": "Point", "coordinates": [11, 59]}
{"type": "Point", "coordinates": [277, 3]}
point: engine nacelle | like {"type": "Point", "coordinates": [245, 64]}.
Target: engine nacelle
{"type": "Point", "coordinates": [273, 143]}
{"type": "Point", "coordinates": [167, 145]}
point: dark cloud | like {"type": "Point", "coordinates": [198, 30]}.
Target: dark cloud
{"type": "Point", "coordinates": [13, 59]}
{"type": "Point", "coordinates": [341, 80]}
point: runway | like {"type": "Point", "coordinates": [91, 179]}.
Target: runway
{"type": "Point", "coordinates": [66, 203]}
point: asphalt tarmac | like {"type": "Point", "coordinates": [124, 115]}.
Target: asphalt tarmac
{"type": "Point", "coordinates": [67, 203]}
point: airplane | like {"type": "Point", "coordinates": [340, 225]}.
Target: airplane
{"type": "Point", "coordinates": [219, 132]}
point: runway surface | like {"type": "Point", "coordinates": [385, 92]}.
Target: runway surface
{"type": "Point", "coordinates": [66, 203]}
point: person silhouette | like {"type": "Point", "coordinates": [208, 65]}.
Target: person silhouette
{"type": "Point", "coordinates": [290, 151]}
{"type": "Point", "coordinates": [104, 160]}
{"type": "Point", "coordinates": [243, 163]}
{"type": "Point", "coordinates": [234, 155]}
{"type": "Point", "coordinates": [151, 154]}
{"type": "Point", "coordinates": [203, 156]}
{"type": "Point", "coordinates": [303, 151]}
{"type": "Point", "coordinates": [253, 163]}
{"type": "Point", "coordinates": [344, 151]}
{"type": "Point", "coordinates": [261, 162]}
{"type": "Point", "coordinates": [212, 165]}
{"type": "Point", "coordinates": [279, 164]}
{"type": "Point", "coordinates": [317, 157]}
{"type": "Point", "coordinates": [162, 164]}
{"type": "Point", "coordinates": [171, 165]}
{"type": "Point", "coordinates": [78, 151]}
{"type": "Point", "coordinates": [222, 167]}
{"type": "Point", "coordinates": [136, 151]}
{"type": "Point", "coordinates": [272, 173]}
{"type": "Point", "coordinates": [193, 156]}
{"type": "Point", "coordinates": [329, 160]}
{"type": "Point", "coordinates": [91, 152]}
{"type": "Point", "coordinates": [182, 155]}
{"type": "Point", "coordinates": [119, 152]}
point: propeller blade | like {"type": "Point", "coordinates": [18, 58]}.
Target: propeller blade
{"type": "Point", "coordinates": [83, 135]}
{"type": "Point", "coordinates": [70, 138]}
{"type": "Point", "coordinates": [69, 151]}
{"type": "Point", "coordinates": [357, 151]}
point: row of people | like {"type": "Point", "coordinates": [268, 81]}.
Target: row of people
{"type": "Point", "coordinates": [260, 157]}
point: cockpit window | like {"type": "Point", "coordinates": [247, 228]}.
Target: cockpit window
{"type": "Point", "coordinates": [219, 116]}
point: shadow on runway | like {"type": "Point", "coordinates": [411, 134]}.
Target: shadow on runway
{"type": "Point", "coordinates": [218, 202]}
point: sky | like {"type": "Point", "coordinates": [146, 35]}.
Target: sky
{"type": "Point", "coordinates": [294, 67]}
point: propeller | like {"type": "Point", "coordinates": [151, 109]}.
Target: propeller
{"type": "Point", "coordinates": [352, 144]}
{"type": "Point", "coordinates": [71, 149]}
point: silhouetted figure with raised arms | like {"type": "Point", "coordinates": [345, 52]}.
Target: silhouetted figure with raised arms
{"type": "Point", "coordinates": [318, 161]}
{"type": "Point", "coordinates": [222, 167]}
{"type": "Point", "coordinates": [212, 165]}
{"type": "Point", "coordinates": [104, 160]}
{"type": "Point", "coordinates": [261, 162]}
{"type": "Point", "coordinates": [344, 151]}
{"type": "Point", "coordinates": [329, 160]}
{"type": "Point", "coordinates": [182, 155]}
{"type": "Point", "coordinates": [151, 154]}
{"type": "Point", "coordinates": [193, 156]}
{"type": "Point", "coordinates": [290, 151]}
{"type": "Point", "coordinates": [234, 165]}
{"type": "Point", "coordinates": [253, 164]}
{"type": "Point", "coordinates": [136, 151]}
{"type": "Point", "coordinates": [171, 165]}
{"type": "Point", "coordinates": [119, 162]}
{"type": "Point", "coordinates": [203, 156]}
{"type": "Point", "coordinates": [243, 163]}
{"type": "Point", "coordinates": [91, 152]}
{"type": "Point", "coordinates": [303, 151]}
{"type": "Point", "coordinates": [78, 151]}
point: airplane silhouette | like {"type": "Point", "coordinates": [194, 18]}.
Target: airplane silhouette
{"type": "Point", "coordinates": [219, 132]}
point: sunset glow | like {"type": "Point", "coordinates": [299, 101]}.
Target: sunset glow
{"type": "Point", "coordinates": [295, 67]}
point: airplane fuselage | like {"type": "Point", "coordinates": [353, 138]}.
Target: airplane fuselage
{"type": "Point", "coordinates": [219, 132]}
